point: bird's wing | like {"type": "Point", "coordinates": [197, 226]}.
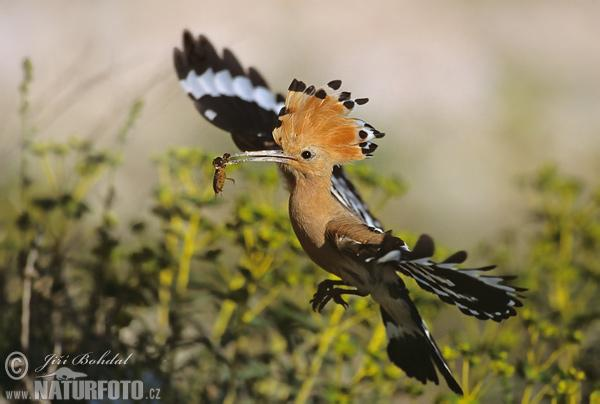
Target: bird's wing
{"type": "Point", "coordinates": [230, 97]}
{"type": "Point", "coordinates": [240, 102]}
{"type": "Point", "coordinates": [475, 294]}
{"type": "Point", "coordinates": [344, 191]}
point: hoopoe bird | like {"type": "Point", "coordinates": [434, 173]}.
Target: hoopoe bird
{"type": "Point", "coordinates": [311, 135]}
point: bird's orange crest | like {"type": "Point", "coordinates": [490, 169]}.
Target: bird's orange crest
{"type": "Point", "coordinates": [319, 118]}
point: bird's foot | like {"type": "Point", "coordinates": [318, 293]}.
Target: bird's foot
{"type": "Point", "coordinates": [326, 291]}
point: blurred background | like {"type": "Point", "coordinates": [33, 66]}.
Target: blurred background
{"type": "Point", "coordinates": [471, 95]}
{"type": "Point", "coordinates": [107, 218]}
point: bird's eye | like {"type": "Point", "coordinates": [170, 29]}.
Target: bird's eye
{"type": "Point", "coordinates": [307, 154]}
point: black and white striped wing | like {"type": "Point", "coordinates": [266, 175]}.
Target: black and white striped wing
{"type": "Point", "coordinates": [345, 192]}
{"type": "Point", "coordinates": [240, 102]}
{"type": "Point", "coordinates": [475, 294]}
{"type": "Point", "coordinates": [232, 98]}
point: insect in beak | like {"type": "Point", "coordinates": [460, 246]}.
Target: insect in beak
{"type": "Point", "coordinates": [219, 163]}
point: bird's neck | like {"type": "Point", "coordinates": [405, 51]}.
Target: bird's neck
{"type": "Point", "coordinates": [311, 207]}
{"type": "Point", "coordinates": [312, 192]}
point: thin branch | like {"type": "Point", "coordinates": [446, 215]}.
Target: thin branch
{"type": "Point", "coordinates": [28, 274]}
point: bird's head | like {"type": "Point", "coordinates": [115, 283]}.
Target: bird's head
{"type": "Point", "coordinates": [315, 132]}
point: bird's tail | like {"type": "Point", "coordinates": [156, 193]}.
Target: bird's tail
{"type": "Point", "coordinates": [410, 345]}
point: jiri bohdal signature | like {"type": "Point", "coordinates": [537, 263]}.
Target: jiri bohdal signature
{"type": "Point", "coordinates": [107, 358]}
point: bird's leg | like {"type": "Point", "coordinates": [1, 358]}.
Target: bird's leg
{"type": "Point", "coordinates": [327, 291]}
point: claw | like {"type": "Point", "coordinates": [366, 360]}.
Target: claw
{"type": "Point", "coordinates": [315, 303]}
{"type": "Point", "coordinates": [325, 292]}
{"type": "Point", "coordinates": [323, 303]}
{"type": "Point", "coordinates": [337, 297]}
{"type": "Point", "coordinates": [322, 295]}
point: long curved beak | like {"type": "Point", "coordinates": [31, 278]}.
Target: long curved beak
{"type": "Point", "coordinates": [276, 156]}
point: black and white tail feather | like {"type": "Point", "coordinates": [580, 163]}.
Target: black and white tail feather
{"type": "Point", "coordinates": [475, 294]}
{"type": "Point", "coordinates": [240, 102]}
{"type": "Point", "coordinates": [411, 346]}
